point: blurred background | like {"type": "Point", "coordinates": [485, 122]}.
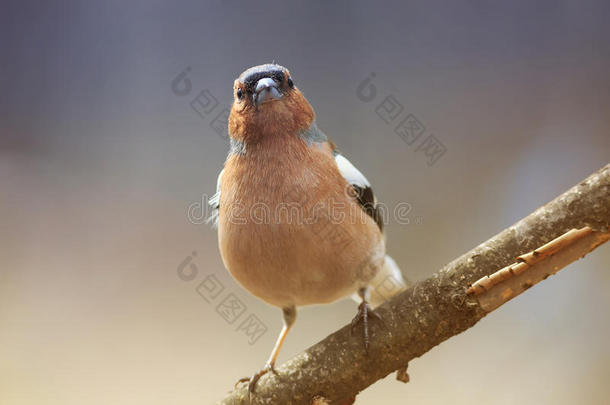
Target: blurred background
{"type": "Point", "coordinates": [102, 152]}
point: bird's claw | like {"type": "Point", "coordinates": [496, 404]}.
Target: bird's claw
{"type": "Point", "coordinates": [252, 381]}
{"type": "Point", "coordinates": [364, 314]}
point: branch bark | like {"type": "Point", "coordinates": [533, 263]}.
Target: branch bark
{"type": "Point", "coordinates": [535, 266]}
{"type": "Point", "coordinates": [452, 300]}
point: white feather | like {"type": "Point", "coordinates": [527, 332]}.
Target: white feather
{"type": "Point", "coordinates": [387, 283]}
{"type": "Point", "coordinates": [350, 173]}
{"type": "Point", "coordinates": [214, 201]}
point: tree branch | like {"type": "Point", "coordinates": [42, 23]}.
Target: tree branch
{"type": "Point", "coordinates": [535, 266]}
{"type": "Point", "coordinates": [450, 301]}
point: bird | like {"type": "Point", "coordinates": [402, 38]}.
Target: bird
{"type": "Point", "coordinates": [297, 223]}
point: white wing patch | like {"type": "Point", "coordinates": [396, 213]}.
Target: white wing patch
{"type": "Point", "coordinates": [350, 173]}
{"type": "Point", "coordinates": [214, 202]}
{"type": "Point", "coordinates": [365, 196]}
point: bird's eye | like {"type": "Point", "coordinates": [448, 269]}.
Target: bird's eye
{"type": "Point", "coordinates": [290, 83]}
{"type": "Point", "coordinates": [240, 94]}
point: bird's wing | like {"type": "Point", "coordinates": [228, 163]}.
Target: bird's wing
{"type": "Point", "coordinates": [214, 202]}
{"type": "Point", "coordinates": [362, 187]}
{"type": "Point", "coordinates": [364, 192]}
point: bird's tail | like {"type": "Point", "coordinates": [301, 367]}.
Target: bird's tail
{"type": "Point", "coordinates": [387, 283]}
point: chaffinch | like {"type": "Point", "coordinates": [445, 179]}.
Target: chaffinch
{"type": "Point", "coordinates": [298, 224]}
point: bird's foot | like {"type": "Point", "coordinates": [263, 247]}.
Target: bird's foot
{"type": "Point", "coordinates": [364, 314]}
{"type": "Point", "coordinates": [254, 379]}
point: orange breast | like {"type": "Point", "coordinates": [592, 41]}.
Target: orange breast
{"type": "Point", "coordinates": [288, 230]}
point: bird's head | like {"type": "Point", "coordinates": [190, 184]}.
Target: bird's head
{"type": "Point", "coordinates": [267, 103]}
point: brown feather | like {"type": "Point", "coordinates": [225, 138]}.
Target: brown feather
{"type": "Point", "coordinates": [290, 229]}
{"type": "Point", "coordinates": [276, 253]}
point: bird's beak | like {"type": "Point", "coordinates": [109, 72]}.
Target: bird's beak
{"type": "Point", "coordinates": [266, 90]}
